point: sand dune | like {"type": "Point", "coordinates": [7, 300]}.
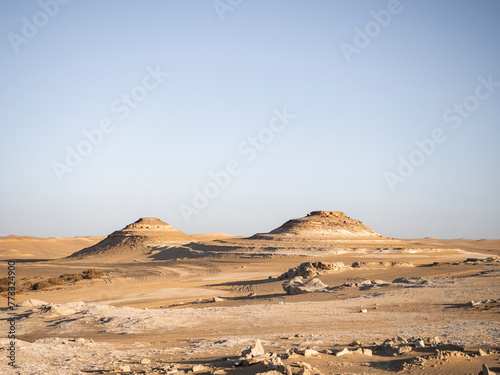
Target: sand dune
{"type": "Point", "coordinates": [25, 247]}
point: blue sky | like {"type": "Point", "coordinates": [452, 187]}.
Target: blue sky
{"type": "Point", "coordinates": [182, 87]}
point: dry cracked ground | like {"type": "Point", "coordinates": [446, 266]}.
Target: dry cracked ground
{"type": "Point", "coordinates": [431, 307]}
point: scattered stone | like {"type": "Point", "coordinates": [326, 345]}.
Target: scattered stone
{"type": "Point", "coordinates": [396, 346]}
{"type": "Point", "coordinates": [481, 353]}
{"type": "Point", "coordinates": [253, 361]}
{"type": "Point", "coordinates": [123, 368]}
{"type": "Point", "coordinates": [304, 365]}
{"type": "Point", "coordinates": [486, 371]}
{"type": "Point", "coordinates": [445, 354]}
{"type": "Point", "coordinates": [309, 270]}
{"type": "Point", "coordinates": [367, 351]}
{"type": "Point", "coordinates": [201, 368]}
{"type": "Point", "coordinates": [290, 353]}
{"type": "Point", "coordinates": [412, 281]}
{"type": "Point", "coordinates": [419, 343]}
{"type": "Point", "coordinates": [275, 364]}
{"type": "Point", "coordinates": [297, 286]}
{"type": "Point", "coordinates": [404, 349]}
{"type": "Point", "coordinates": [256, 351]}
{"type": "Point", "coordinates": [343, 352]}
{"type": "Point", "coordinates": [310, 353]}
{"type": "Point", "coordinates": [217, 299]}
{"type": "Point", "coordinates": [145, 361]}
{"type": "Point", "coordinates": [363, 311]}
{"type": "Point", "coordinates": [473, 304]}
{"type": "Point", "coordinates": [435, 341]}
{"type": "Point", "coordinates": [172, 369]}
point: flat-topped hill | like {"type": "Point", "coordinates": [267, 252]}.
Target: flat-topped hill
{"type": "Point", "coordinates": [136, 236]}
{"type": "Point", "coordinates": [321, 225]}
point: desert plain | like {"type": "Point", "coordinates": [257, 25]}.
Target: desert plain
{"type": "Point", "coordinates": [322, 294]}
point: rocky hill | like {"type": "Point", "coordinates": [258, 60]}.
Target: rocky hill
{"type": "Point", "coordinates": [321, 225]}
{"type": "Point", "coordinates": [138, 236]}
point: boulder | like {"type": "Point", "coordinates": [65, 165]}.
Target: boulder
{"type": "Point", "coordinates": [396, 346]}
{"type": "Point", "coordinates": [368, 352]}
{"type": "Point", "coordinates": [256, 351]}
{"type": "Point", "coordinates": [308, 270]}
{"type": "Point", "coordinates": [343, 352]}
{"type": "Point", "coordinates": [308, 352]}
{"type": "Point", "coordinates": [419, 343]}
{"type": "Point", "coordinates": [486, 371]}
{"type": "Point", "coordinates": [412, 281]}
{"type": "Point", "coordinates": [201, 368]}
{"type": "Point", "coordinates": [297, 286]}
{"type": "Point", "coordinates": [481, 353]}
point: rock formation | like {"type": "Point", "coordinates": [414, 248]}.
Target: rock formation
{"type": "Point", "coordinates": [136, 236]}
{"type": "Point", "coordinates": [309, 270]}
{"type": "Point", "coordinates": [298, 286]}
{"type": "Point", "coordinates": [321, 225]}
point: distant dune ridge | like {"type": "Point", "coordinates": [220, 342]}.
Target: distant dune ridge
{"type": "Point", "coordinates": [136, 236]}
{"type": "Point", "coordinates": [320, 225]}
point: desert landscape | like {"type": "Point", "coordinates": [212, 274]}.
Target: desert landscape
{"type": "Point", "coordinates": [321, 294]}
{"type": "Point", "coordinates": [249, 187]}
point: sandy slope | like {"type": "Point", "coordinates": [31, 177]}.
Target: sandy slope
{"type": "Point", "coordinates": [24, 247]}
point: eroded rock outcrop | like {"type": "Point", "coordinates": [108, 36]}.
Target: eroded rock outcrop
{"type": "Point", "coordinates": [298, 286]}
{"type": "Point", "coordinates": [136, 236]}
{"type": "Point", "coordinates": [321, 225]}
{"type": "Point", "coordinates": [308, 270]}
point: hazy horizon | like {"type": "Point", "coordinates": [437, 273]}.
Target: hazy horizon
{"type": "Point", "coordinates": [236, 116]}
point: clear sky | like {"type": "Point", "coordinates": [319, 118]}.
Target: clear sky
{"type": "Point", "coordinates": [237, 115]}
